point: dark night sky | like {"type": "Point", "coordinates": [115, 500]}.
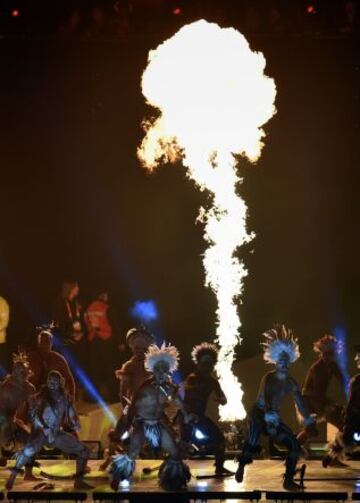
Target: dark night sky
{"type": "Point", "coordinates": [75, 201]}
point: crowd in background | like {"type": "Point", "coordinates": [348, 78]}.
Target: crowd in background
{"type": "Point", "coordinates": [124, 19]}
{"type": "Point", "coordinates": [86, 334]}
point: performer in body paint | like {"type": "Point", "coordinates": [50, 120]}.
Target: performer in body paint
{"type": "Point", "coordinates": [51, 407]}
{"type": "Point", "coordinates": [44, 359]}
{"type": "Point", "coordinates": [348, 438]}
{"type": "Point", "coordinates": [316, 384]}
{"type": "Point", "coordinates": [145, 418]}
{"type": "Point", "coordinates": [133, 372]}
{"type": "Point", "coordinates": [131, 376]}
{"type": "Point", "coordinates": [15, 393]}
{"type": "Point", "coordinates": [199, 385]}
{"type": "Point", "coordinates": [280, 349]}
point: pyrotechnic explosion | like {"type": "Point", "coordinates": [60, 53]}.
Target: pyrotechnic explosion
{"type": "Point", "coordinates": [213, 98]}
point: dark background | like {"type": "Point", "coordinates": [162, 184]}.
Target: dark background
{"type": "Point", "coordinates": [74, 201]}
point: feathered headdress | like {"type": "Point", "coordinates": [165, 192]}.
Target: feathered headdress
{"type": "Point", "coordinates": [20, 358]}
{"type": "Point", "coordinates": [137, 333]}
{"type": "Point", "coordinates": [205, 348]}
{"type": "Point", "coordinates": [328, 343]}
{"type": "Point", "coordinates": [46, 328]}
{"type": "Point", "coordinates": [280, 340]}
{"type": "Point", "coordinates": [166, 353]}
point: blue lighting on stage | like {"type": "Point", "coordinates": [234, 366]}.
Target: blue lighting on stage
{"type": "Point", "coordinates": [342, 357]}
{"type": "Point", "coordinates": [84, 380]}
{"type": "Point", "coordinates": [3, 372]}
{"type": "Point", "coordinates": [145, 311]}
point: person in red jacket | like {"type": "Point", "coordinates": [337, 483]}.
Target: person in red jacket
{"type": "Point", "coordinates": [100, 342]}
{"type": "Point", "coordinates": [96, 318]}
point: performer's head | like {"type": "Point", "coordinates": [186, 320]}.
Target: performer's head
{"type": "Point", "coordinates": [328, 347]}
{"type": "Point", "coordinates": [139, 340]}
{"type": "Point", "coordinates": [205, 357]}
{"type": "Point", "coordinates": [280, 347]}
{"type": "Point", "coordinates": [21, 367]}
{"type": "Point", "coordinates": [357, 355]}
{"type": "Point", "coordinates": [103, 296]}
{"type": "Point", "coordinates": [161, 361]}
{"type": "Point", "coordinates": [55, 381]}
{"type": "Point", "coordinates": [45, 341]}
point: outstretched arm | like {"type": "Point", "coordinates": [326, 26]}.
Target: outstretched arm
{"type": "Point", "coordinates": [219, 394]}
{"type": "Point", "coordinates": [299, 401]}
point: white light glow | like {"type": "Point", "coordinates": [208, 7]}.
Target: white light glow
{"type": "Point", "coordinates": [199, 434]}
{"type": "Point", "coordinates": [213, 97]}
{"type": "Point", "coordinates": [124, 483]}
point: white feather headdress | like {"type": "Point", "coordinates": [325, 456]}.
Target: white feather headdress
{"type": "Point", "coordinates": [165, 353]}
{"type": "Point", "coordinates": [280, 340]}
{"type": "Point", "coordinates": [205, 348]}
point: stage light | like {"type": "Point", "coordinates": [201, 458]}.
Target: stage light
{"type": "Point", "coordinates": [310, 9]}
{"type": "Point", "coordinates": [144, 311]}
{"type": "Point", "coordinates": [199, 435]}
{"type": "Point", "coordinates": [356, 436]}
{"type": "Point", "coordinates": [124, 483]}
{"type": "Point", "coordinates": [125, 435]}
{"type": "Point", "coordinates": [177, 11]}
{"type": "Point", "coordinates": [342, 357]}
{"type": "Point", "coordinates": [85, 381]}
{"type": "Point", "coordinates": [15, 13]}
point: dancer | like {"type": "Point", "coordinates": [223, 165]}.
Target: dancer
{"type": "Point", "coordinates": [145, 417]}
{"type": "Point", "coordinates": [49, 409]}
{"type": "Point", "coordinates": [15, 394]}
{"type": "Point", "coordinates": [198, 387]}
{"type": "Point", "coordinates": [44, 359]}
{"type": "Point", "coordinates": [133, 373]}
{"type": "Point", "coordinates": [316, 384]}
{"type": "Point", "coordinates": [280, 349]}
{"type": "Point", "coordinates": [348, 439]}
{"type": "Point", "coordinates": [131, 376]}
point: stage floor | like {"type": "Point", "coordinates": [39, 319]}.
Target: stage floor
{"type": "Point", "coordinates": [263, 475]}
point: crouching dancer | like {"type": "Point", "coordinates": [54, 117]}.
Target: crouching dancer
{"type": "Point", "coordinates": [51, 408]}
{"type": "Point", "coordinates": [146, 420]}
{"type": "Point", "coordinates": [199, 385]}
{"type": "Point", "coordinates": [15, 394]}
{"type": "Point", "coordinates": [280, 349]}
{"type": "Point", "coordinates": [348, 438]}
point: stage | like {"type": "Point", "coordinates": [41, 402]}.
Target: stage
{"type": "Point", "coordinates": [263, 475]}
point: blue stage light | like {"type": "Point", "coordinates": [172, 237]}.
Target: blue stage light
{"type": "Point", "coordinates": [342, 357]}
{"type": "Point", "coordinates": [199, 435]}
{"type": "Point", "coordinates": [84, 380]}
{"type": "Point", "coordinates": [144, 311]}
{"type": "Point", "coordinates": [356, 436]}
